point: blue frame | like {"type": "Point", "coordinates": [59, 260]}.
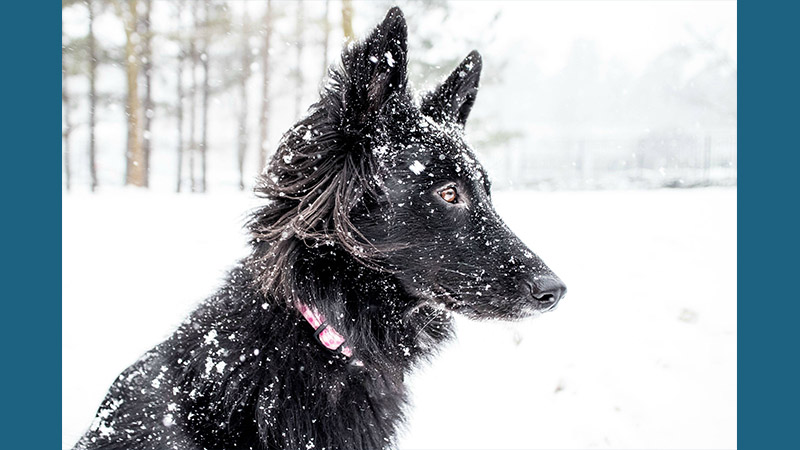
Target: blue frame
{"type": "Point", "coordinates": [768, 225]}
{"type": "Point", "coordinates": [31, 331]}
{"type": "Point", "coordinates": [768, 374]}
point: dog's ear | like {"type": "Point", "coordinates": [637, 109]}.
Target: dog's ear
{"type": "Point", "coordinates": [454, 98]}
{"type": "Point", "coordinates": [371, 71]}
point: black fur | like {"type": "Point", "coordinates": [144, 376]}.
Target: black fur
{"type": "Point", "coordinates": [354, 226]}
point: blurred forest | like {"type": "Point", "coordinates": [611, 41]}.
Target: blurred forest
{"type": "Point", "coordinates": [191, 96]}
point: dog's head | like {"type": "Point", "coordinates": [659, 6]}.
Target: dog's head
{"type": "Point", "coordinates": [394, 183]}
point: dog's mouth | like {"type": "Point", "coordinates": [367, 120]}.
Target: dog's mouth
{"type": "Point", "coordinates": [437, 297]}
{"type": "Point", "coordinates": [447, 299]}
{"type": "Point", "coordinates": [440, 296]}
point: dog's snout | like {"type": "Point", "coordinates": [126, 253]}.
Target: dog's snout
{"type": "Point", "coordinates": [546, 290]}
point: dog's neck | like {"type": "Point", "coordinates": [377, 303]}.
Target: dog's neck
{"type": "Point", "coordinates": [325, 334]}
{"type": "Point", "coordinates": [369, 308]}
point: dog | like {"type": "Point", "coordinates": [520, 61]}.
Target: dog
{"type": "Point", "coordinates": [377, 225]}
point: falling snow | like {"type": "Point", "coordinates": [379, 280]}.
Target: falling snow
{"type": "Point", "coordinates": [417, 167]}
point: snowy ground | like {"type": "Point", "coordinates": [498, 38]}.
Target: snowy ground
{"type": "Point", "coordinates": [640, 354]}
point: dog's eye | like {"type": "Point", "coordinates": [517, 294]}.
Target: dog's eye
{"type": "Point", "coordinates": [449, 195]}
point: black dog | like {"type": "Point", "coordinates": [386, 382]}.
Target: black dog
{"type": "Point", "coordinates": [378, 224]}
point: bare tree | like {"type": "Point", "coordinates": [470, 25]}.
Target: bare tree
{"type": "Point", "coordinates": [243, 78]}
{"type": "Point", "coordinates": [181, 58]}
{"type": "Point", "coordinates": [206, 88]}
{"type": "Point", "coordinates": [135, 164]}
{"type": "Point", "coordinates": [347, 20]}
{"type": "Point", "coordinates": [326, 31]}
{"type": "Point", "coordinates": [92, 95]}
{"type": "Point", "coordinates": [147, 66]}
{"type": "Point", "coordinates": [65, 100]}
{"type": "Point", "coordinates": [298, 69]}
{"type": "Point", "coordinates": [193, 98]}
{"type": "Point", "coordinates": [263, 121]}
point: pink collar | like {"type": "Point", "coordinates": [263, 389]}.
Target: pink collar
{"type": "Point", "coordinates": [324, 333]}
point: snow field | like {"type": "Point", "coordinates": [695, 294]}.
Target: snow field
{"type": "Point", "coordinates": [640, 354]}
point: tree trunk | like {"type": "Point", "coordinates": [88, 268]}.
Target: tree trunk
{"type": "Point", "coordinates": [326, 30]}
{"type": "Point", "coordinates": [298, 75]}
{"type": "Point", "coordinates": [181, 57]}
{"type": "Point", "coordinates": [245, 49]}
{"type": "Point", "coordinates": [67, 116]}
{"type": "Point", "coordinates": [135, 169]}
{"type": "Point", "coordinates": [347, 20]}
{"type": "Point", "coordinates": [193, 98]}
{"type": "Point", "coordinates": [92, 97]}
{"type": "Point", "coordinates": [206, 88]}
{"type": "Point", "coordinates": [263, 122]}
{"type": "Point", "coordinates": [147, 53]}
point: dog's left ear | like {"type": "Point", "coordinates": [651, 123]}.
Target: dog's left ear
{"type": "Point", "coordinates": [372, 71]}
{"type": "Point", "coordinates": [454, 98]}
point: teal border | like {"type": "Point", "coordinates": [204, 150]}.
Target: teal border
{"type": "Point", "coordinates": [31, 178]}
{"type": "Point", "coordinates": [769, 143]}
{"type": "Point", "coordinates": [769, 139]}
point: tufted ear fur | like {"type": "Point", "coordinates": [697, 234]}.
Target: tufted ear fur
{"type": "Point", "coordinates": [453, 99]}
{"type": "Point", "coordinates": [320, 170]}
{"type": "Point", "coordinates": [370, 73]}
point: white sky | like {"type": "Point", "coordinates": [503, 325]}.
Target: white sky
{"type": "Point", "coordinates": [632, 32]}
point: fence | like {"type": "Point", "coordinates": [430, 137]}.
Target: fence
{"type": "Point", "coordinates": [654, 160]}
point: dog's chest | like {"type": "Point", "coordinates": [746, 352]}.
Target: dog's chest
{"type": "Point", "coordinates": [354, 408]}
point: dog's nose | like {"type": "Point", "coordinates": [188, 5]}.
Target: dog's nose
{"type": "Point", "coordinates": [547, 290]}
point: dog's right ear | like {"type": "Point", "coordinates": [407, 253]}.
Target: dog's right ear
{"type": "Point", "coordinates": [371, 72]}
